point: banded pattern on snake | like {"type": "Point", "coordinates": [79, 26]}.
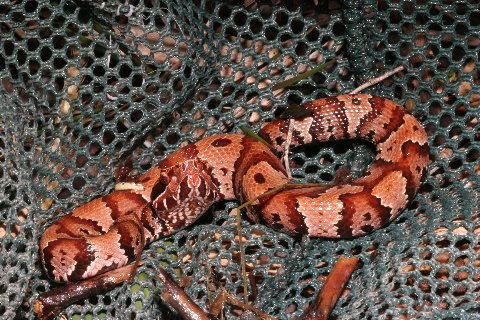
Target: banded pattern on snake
{"type": "Point", "coordinates": [111, 231]}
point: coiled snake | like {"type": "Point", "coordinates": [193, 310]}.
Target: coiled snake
{"type": "Point", "coordinates": [109, 232]}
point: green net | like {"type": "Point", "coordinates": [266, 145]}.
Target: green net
{"type": "Point", "coordinates": [86, 84]}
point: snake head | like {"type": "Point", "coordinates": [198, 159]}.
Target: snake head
{"type": "Point", "coordinates": [183, 192]}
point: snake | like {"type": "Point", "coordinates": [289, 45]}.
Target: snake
{"type": "Point", "coordinates": [112, 231]}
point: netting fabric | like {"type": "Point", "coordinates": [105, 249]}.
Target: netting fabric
{"type": "Point", "coordinates": [85, 84]}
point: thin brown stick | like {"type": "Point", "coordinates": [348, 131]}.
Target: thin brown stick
{"type": "Point", "coordinates": [240, 238]}
{"type": "Point", "coordinates": [253, 285]}
{"type": "Point", "coordinates": [175, 296]}
{"type": "Point", "coordinates": [376, 80]}
{"type": "Point", "coordinates": [231, 299]}
{"type": "Point", "coordinates": [216, 307]}
{"type": "Point", "coordinates": [242, 255]}
{"type": "Point", "coordinates": [189, 310]}
{"type": "Point", "coordinates": [50, 303]}
{"type": "Point", "coordinates": [283, 187]}
{"type": "Point", "coordinates": [239, 226]}
{"type": "Point", "coordinates": [323, 304]}
{"type": "Point", "coordinates": [286, 152]}
{"type": "Point", "coordinates": [367, 84]}
{"type": "Point", "coordinates": [207, 280]}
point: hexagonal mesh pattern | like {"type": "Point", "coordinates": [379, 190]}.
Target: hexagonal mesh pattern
{"type": "Point", "coordinates": [87, 83]}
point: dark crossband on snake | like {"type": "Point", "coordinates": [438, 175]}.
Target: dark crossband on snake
{"type": "Point", "coordinates": [111, 231]}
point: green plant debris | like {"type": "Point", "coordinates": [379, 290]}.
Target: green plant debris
{"type": "Point", "coordinates": [300, 77]}
{"type": "Point", "coordinates": [248, 132]}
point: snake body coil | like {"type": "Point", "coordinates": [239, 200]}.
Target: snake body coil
{"type": "Point", "coordinates": [109, 232]}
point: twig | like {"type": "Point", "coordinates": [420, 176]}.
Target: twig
{"type": "Point", "coordinates": [50, 303]}
{"type": "Point", "coordinates": [239, 224]}
{"type": "Point", "coordinates": [267, 193]}
{"type": "Point", "coordinates": [242, 255]}
{"type": "Point", "coordinates": [253, 285]}
{"type": "Point", "coordinates": [323, 304]}
{"type": "Point", "coordinates": [216, 307]}
{"type": "Point", "coordinates": [283, 187]}
{"type": "Point", "coordinates": [286, 152]}
{"type": "Point", "coordinates": [239, 229]}
{"type": "Point", "coordinates": [229, 298]}
{"type": "Point", "coordinates": [376, 80]}
{"type": "Point", "coordinates": [175, 296]}
{"type": "Point", "coordinates": [207, 280]}
{"type": "Point", "coordinates": [367, 84]}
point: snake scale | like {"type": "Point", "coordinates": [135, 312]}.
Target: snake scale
{"type": "Point", "coordinates": [111, 231]}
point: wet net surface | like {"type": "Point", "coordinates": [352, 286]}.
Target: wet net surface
{"type": "Point", "coordinates": [86, 84]}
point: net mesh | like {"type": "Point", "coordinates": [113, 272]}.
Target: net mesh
{"type": "Point", "coordinates": [85, 84]}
